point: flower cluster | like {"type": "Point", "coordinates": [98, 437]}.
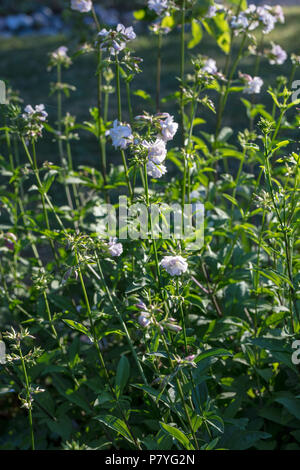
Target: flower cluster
{"type": "Point", "coordinates": [33, 119]}
{"type": "Point", "coordinates": [254, 16]}
{"type": "Point", "coordinates": [210, 66]}
{"type": "Point", "coordinates": [156, 150]}
{"type": "Point", "coordinates": [213, 10]}
{"type": "Point", "coordinates": [159, 6]}
{"type": "Point", "coordinates": [115, 249]}
{"type": "Point", "coordinates": [276, 55]}
{"type": "Point", "coordinates": [60, 57]}
{"type": "Point", "coordinates": [252, 84]}
{"type": "Point", "coordinates": [174, 265]}
{"type": "Point", "coordinates": [114, 41]}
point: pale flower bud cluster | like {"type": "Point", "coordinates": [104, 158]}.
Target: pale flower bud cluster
{"type": "Point", "coordinates": [60, 57]}
{"type": "Point", "coordinates": [295, 59]}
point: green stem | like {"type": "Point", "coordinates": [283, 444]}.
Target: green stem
{"type": "Point", "coordinates": [120, 120]}
{"type": "Point", "coordinates": [151, 228]}
{"type": "Point", "coordinates": [182, 317]}
{"type": "Point", "coordinates": [158, 72]}
{"type": "Point", "coordinates": [28, 397]}
{"type": "Point", "coordinates": [129, 101]}
{"type": "Point", "coordinates": [182, 64]}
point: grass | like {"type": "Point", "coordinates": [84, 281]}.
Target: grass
{"type": "Point", "coordinates": [24, 65]}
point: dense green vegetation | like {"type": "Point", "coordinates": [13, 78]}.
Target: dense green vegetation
{"type": "Point", "coordinates": [144, 343]}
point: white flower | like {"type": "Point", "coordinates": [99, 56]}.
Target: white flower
{"type": "Point", "coordinates": [158, 6]}
{"type": "Point", "coordinates": [143, 319]}
{"type": "Point", "coordinates": [254, 85]}
{"type": "Point", "coordinates": [268, 20]}
{"type": "Point", "coordinates": [115, 41]}
{"type": "Point", "coordinates": [156, 171]}
{"type": "Point", "coordinates": [168, 127]}
{"type": "Point", "coordinates": [251, 9]}
{"type": "Point", "coordinates": [84, 6]}
{"type": "Point", "coordinates": [278, 12]}
{"type": "Point", "coordinates": [104, 32]}
{"type": "Point", "coordinates": [117, 47]}
{"type": "Point", "coordinates": [277, 55]}
{"type": "Point", "coordinates": [128, 32]}
{"type": "Point", "coordinates": [174, 265]}
{"type": "Point", "coordinates": [195, 194]}
{"type": "Point", "coordinates": [210, 66]}
{"type": "Point", "coordinates": [157, 151]}
{"type": "Point", "coordinates": [240, 22]}
{"type": "Point", "coordinates": [33, 120]}
{"type": "Point", "coordinates": [213, 9]}
{"type": "Point", "coordinates": [60, 53]}
{"type": "Point", "coordinates": [114, 248]}
{"type": "Point", "coordinates": [121, 135]}
{"type": "Point", "coordinates": [39, 110]}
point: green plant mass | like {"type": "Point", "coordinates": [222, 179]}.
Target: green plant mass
{"type": "Point", "coordinates": [149, 229]}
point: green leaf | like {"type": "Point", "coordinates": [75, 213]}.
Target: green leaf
{"type": "Point", "coordinates": [142, 94]}
{"type": "Point", "coordinates": [178, 435]}
{"type": "Point", "coordinates": [117, 425]}
{"type": "Point", "coordinates": [77, 326]}
{"type": "Point", "coordinates": [122, 376]}
{"type": "Point", "coordinates": [240, 3]}
{"type": "Point", "coordinates": [168, 22]}
{"type": "Point", "coordinates": [219, 28]}
{"type": "Point", "coordinates": [139, 14]}
{"type": "Point", "coordinates": [196, 33]}
{"type": "Point", "coordinates": [48, 180]}
{"type": "Point", "coordinates": [291, 404]}
{"type": "Point", "coordinates": [212, 353]}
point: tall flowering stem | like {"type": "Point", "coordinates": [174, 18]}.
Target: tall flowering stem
{"type": "Point", "coordinates": [101, 138]}
{"type": "Point", "coordinates": [59, 124]}
{"type": "Point", "coordinates": [151, 228]}
{"type": "Point", "coordinates": [28, 395]}
{"type": "Point", "coordinates": [182, 65]}
{"type": "Point", "coordinates": [226, 90]}
{"type": "Point", "coordinates": [158, 71]}
{"type": "Point", "coordinates": [118, 85]}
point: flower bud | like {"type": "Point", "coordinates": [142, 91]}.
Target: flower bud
{"type": "Point", "coordinates": [10, 240]}
{"type": "Point", "coordinates": [143, 321]}
{"type": "Point", "coordinates": [173, 327]}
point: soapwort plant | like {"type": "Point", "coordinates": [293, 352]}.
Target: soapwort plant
{"type": "Point", "coordinates": [133, 340]}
